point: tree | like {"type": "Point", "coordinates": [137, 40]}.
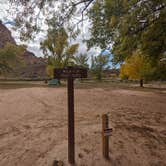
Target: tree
{"type": "Point", "coordinates": [56, 48]}
{"type": "Point", "coordinates": [99, 63]}
{"type": "Point", "coordinates": [136, 67]}
{"type": "Point", "coordinates": [129, 25]}
{"type": "Point", "coordinates": [29, 21]}
{"type": "Point", "coordinates": [159, 70]}
{"type": "Point", "coordinates": [9, 57]}
{"type": "Point", "coordinates": [82, 60]}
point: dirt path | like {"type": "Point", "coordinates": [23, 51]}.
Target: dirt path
{"type": "Point", "coordinates": [33, 127]}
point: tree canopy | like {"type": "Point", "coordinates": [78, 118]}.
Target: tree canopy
{"type": "Point", "coordinates": [136, 67]}
{"type": "Point", "coordinates": [57, 49]}
{"type": "Point", "coordinates": [33, 14]}
{"type": "Point", "coordinates": [129, 25]}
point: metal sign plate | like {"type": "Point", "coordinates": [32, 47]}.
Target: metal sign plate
{"type": "Point", "coordinates": [107, 132]}
{"type": "Point", "coordinates": [73, 72]}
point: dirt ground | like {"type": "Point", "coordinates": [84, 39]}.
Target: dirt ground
{"type": "Point", "coordinates": [33, 126]}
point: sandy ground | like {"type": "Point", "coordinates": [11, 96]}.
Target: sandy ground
{"type": "Point", "coordinates": [33, 127]}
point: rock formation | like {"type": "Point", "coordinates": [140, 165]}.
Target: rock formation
{"type": "Point", "coordinates": [33, 66]}
{"type": "Point", "coordinates": [5, 36]}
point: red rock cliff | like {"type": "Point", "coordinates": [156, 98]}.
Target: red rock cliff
{"type": "Point", "coordinates": [34, 66]}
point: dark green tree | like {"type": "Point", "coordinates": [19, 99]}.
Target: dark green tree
{"type": "Point", "coordinates": [129, 25]}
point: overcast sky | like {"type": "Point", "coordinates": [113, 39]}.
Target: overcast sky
{"type": "Point", "coordinates": [34, 46]}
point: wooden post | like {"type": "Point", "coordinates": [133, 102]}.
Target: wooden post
{"type": "Point", "coordinates": [105, 139]}
{"type": "Point", "coordinates": [71, 144]}
{"type": "Point", "coordinates": [70, 73]}
{"type": "Point", "coordinates": [141, 82]}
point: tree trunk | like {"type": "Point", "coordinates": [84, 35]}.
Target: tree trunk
{"type": "Point", "coordinates": [99, 77]}
{"type": "Point", "coordinates": [59, 81]}
{"type": "Point", "coordinates": [141, 82]}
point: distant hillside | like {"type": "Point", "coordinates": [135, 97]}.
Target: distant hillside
{"type": "Point", "coordinates": [33, 66]}
{"type": "Point", "coordinates": [5, 36]}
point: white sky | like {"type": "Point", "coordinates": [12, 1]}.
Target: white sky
{"type": "Point", "coordinates": [34, 46]}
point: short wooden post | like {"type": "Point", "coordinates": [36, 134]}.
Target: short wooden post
{"type": "Point", "coordinates": [105, 138]}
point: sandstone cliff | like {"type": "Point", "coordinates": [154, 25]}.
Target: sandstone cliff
{"type": "Point", "coordinates": [33, 66]}
{"type": "Point", "coordinates": [5, 36]}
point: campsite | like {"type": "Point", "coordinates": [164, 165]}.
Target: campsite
{"type": "Point", "coordinates": [82, 82]}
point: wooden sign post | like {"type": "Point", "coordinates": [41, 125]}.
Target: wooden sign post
{"type": "Point", "coordinates": [106, 132]}
{"type": "Point", "coordinates": [70, 73]}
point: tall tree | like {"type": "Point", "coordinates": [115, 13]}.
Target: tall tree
{"type": "Point", "coordinates": [136, 67]}
{"type": "Point", "coordinates": [57, 49]}
{"type": "Point", "coordinates": [129, 25]}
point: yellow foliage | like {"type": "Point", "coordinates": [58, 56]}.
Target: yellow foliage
{"type": "Point", "coordinates": [135, 67]}
{"type": "Point", "coordinates": [56, 47]}
{"type": "Point", "coordinates": [72, 49]}
{"type": "Point", "coordinates": [60, 44]}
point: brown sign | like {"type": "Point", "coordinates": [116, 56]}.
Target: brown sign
{"type": "Point", "coordinates": [107, 132]}
{"type": "Point", "coordinates": [74, 72]}
{"type": "Point", "coordinates": [70, 73]}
